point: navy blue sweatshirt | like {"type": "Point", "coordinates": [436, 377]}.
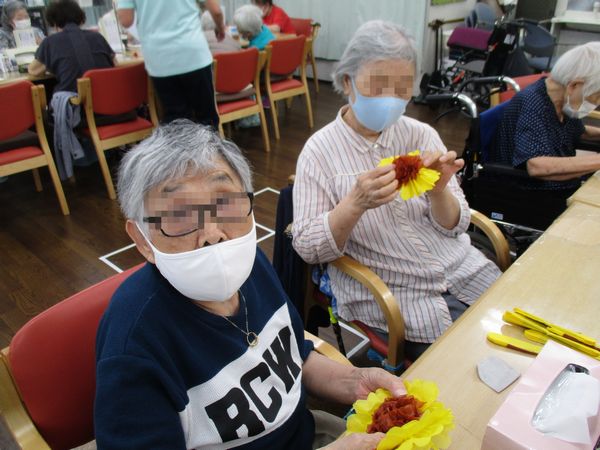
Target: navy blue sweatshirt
{"type": "Point", "coordinates": [171, 375]}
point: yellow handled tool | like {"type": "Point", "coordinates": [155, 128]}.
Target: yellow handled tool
{"type": "Point", "coordinates": [557, 329]}
{"type": "Point", "coordinates": [542, 338]}
{"type": "Point", "coordinates": [513, 343]}
{"type": "Point", "coordinates": [517, 319]}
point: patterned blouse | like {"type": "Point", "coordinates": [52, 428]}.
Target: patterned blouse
{"type": "Point", "coordinates": [401, 242]}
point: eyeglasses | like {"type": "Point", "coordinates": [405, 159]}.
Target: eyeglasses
{"type": "Point", "coordinates": [227, 208]}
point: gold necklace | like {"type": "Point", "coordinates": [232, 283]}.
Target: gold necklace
{"type": "Point", "coordinates": [251, 336]}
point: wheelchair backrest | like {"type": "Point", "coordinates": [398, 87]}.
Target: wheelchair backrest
{"type": "Point", "coordinates": [488, 124]}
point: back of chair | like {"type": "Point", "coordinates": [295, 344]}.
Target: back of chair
{"type": "Point", "coordinates": [523, 82]}
{"type": "Point", "coordinates": [538, 41]}
{"type": "Point", "coordinates": [16, 109]}
{"type": "Point", "coordinates": [235, 70]}
{"type": "Point", "coordinates": [488, 124]}
{"type": "Point", "coordinates": [118, 90]}
{"type": "Point", "coordinates": [303, 27]}
{"type": "Point", "coordinates": [52, 361]}
{"type": "Point", "coordinates": [286, 55]}
{"type": "Point", "coordinates": [469, 38]}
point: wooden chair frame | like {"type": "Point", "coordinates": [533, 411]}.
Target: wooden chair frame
{"type": "Point", "coordinates": [288, 94]}
{"type": "Point", "coordinates": [84, 97]}
{"type": "Point", "coordinates": [38, 96]}
{"type": "Point", "coordinates": [386, 300]}
{"type": "Point", "coordinates": [311, 54]}
{"type": "Point", "coordinates": [251, 110]}
{"type": "Point", "coordinates": [13, 410]}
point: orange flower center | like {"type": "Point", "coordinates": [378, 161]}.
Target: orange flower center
{"type": "Point", "coordinates": [395, 412]}
{"type": "Point", "coordinates": [407, 168]}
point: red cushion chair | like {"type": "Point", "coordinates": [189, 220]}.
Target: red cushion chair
{"type": "Point", "coordinates": [284, 57]}
{"type": "Point", "coordinates": [116, 91]}
{"type": "Point", "coordinates": [310, 29]}
{"type": "Point", "coordinates": [237, 87]}
{"type": "Point", "coordinates": [523, 82]}
{"type": "Point", "coordinates": [21, 106]}
{"type": "Point", "coordinates": [47, 375]}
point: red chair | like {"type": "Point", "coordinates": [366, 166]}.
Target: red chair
{"type": "Point", "coordinates": [523, 82]}
{"type": "Point", "coordinates": [284, 57]}
{"type": "Point", "coordinates": [115, 91]}
{"type": "Point", "coordinates": [237, 88]}
{"type": "Point", "coordinates": [21, 106]}
{"type": "Point", "coordinates": [309, 29]}
{"type": "Point", "coordinates": [47, 375]}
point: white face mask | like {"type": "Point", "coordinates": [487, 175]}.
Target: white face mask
{"type": "Point", "coordinates": [212, 273]}
{"type": "Point", "coordinates": [583, 111]}
{"type": "Point", "coordinates": [22, 24]}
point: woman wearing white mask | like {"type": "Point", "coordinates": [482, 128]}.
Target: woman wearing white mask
{"type": "Point", "coordinates": [200, 348]}
{"type": "Point", "coordinates": [345, 204]}
{"type": "Point", "coordinates": [541, 125]}
{"type": "Point", "coordinates": [14, 15]}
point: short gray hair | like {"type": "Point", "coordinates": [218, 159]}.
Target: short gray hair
{"type": "Point", "coordinates": [9, 10]}
{"type": "Point", "coordinates": [248, 20]}
{"type": "Point", "coordinates": [207, 22]}
{"type": "Point", "coordinates": [581, 62]}
{"type": "Point", "coordinates": [173, 151]}
{"type": "Point", "coordinates": [375, 40]}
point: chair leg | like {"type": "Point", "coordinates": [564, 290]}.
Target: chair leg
{"type": "Point", "coordinates": [229, 129]}
{"type": "Point", "coordinates": [265, 130]}
{"type": "Point", "coordinates": [37, 181]}
{"type": "Point", "coordinates": [64, 207]}
{"type": "Point", "coordinates": [313, 63]}
{"type": "Point", "coordinates": [311, 123]}
{"type": "Point", "coordinates": [288, 102]}
{"type": "Point", "coordinates": [274, 116]}
{"type": "Point", "coordinates": [105, 171]}
{"type": "Point", "coordinates": [221, 132]}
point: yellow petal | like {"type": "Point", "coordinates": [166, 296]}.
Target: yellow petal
{"type": "Point", "coordinates": [386, 161]}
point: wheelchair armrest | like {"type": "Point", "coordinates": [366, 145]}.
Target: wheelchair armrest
{"type": "Point", "coordinates": [493, 233]}
{"type": "Point", "coordinates": [503, 169]}
{"type": "Point", "coordinates": [384, 298]}
{"type": "Point", "coordinates": [326, 349]}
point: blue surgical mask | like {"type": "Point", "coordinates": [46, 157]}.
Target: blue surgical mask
{"type": "Point", "coordinates": [377, 113]}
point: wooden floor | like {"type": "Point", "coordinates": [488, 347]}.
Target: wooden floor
{"type": "Point", "coordinates": [46, 257]}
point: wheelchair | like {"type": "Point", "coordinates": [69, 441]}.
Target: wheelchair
{"type": "Point", "coordinates": [497, 189]}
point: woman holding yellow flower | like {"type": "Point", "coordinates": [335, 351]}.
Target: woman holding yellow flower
{"type": "Point", "coordinates": [344, 203]}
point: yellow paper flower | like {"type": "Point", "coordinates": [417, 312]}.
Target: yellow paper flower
{"type": "Point", "coordinates": [414, 179]}
{"type": "Point", "coordinates": [431, 431]}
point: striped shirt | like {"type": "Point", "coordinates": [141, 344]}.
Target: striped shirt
{"type": "Point", "coordinates": [401, 242]}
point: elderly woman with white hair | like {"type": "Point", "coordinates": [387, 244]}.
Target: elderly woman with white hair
{"type": "Point", "coordinates": [249, 22]}
{"type": "Point", "coordinates": [14, 13]}
{"type": "Point", "coordinates": [542, 124]}
{"type": "Point", "coordinates": [345, 204]}
{"type": "Point", "coordinates": [227, 45]}
{"type": "Point", "coordinates": [201, 348]}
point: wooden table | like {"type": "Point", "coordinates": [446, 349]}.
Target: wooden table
{"type": "Point", "coordinates": [589, 193]}
{"type": "Point", "coordinates": [558, 278]}
{"type": "Point", "coordinates": [11, 77]}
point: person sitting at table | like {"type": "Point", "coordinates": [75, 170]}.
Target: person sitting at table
{"type": "Point", "coordinates": [248, 20]}
{"type": "Point", "coordinates": [345, 204]}
{"type": "Point", "coordinates": [68, 54]}
{"type": "Point", "coordinates": [228, 44]}
{"type": "Point", "coordinates": [201, 348]}
{"type": "Point", "coordinates": [14, 12]}
{"type": "Point", "coordinates": [541, 125]}
{"type": "Point", "coordinates": [275, 17]}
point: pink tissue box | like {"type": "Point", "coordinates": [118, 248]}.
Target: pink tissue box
{"type": "Point", "coordinates": [511, 429]}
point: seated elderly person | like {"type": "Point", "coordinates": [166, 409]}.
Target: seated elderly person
{"type": "Point", "coordinates": [248, 21]}
{"type": "Point", "coordinates": [274, 17]}
{"type": "Point", "coordinates": [68, 54]}
{"type": "Point", "coordinates": [345, 204]}
{"type": "Point", "coordinates": [14, 13]}
{"type": "Point", "coordinates": [201, 348]}
{"type": "Point", "coordinates": [542, 124]}
{"type": "Point", "coordinates": [227, 44]}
